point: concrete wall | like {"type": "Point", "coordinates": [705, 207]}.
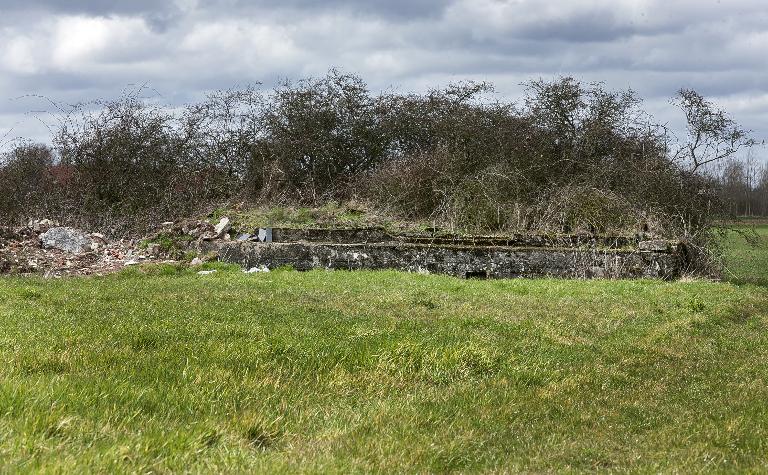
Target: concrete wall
{"type": "Point", "coordinates": [664, 262]}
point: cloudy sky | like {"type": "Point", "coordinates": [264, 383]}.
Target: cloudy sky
{"type": "Point", "coordinates": [77, 50]}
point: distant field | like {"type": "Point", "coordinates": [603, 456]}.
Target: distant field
{"type": "Point", "coordinates": [337, 372]}
{"type": "Point", "coordinates": [747, 262]}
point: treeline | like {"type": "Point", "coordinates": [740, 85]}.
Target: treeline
{"type": "Point", "coordinates": [568, 157]}
{"type": "Point", "coordinates": [744, 187]}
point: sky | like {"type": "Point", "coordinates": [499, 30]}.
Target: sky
{"type": "Point", "coordinates": [80, 50]}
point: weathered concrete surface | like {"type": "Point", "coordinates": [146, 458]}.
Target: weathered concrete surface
{"type": "Point", "coordinates": [338, 236]}
{"type": "Point", "coordinates": [379, 235]}
{"type": "Point", "coordinates": [458, 260]}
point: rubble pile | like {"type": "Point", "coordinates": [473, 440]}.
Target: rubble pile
{"type": "Point", "coordinates": [43, 247]}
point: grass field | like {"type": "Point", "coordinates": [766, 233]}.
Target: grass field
{"type": "Point", "coordinates": [748, 262]}
{"type": "Point", "coordinates": [168, 371]}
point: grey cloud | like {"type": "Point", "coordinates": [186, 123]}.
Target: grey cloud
{"type": "Point", "coordinates": [597, 25]}
{"type": "Point", "coordinates": [654, 46]}
{"type": "Point", "coordinates": [164, 9]}
{"type": "Point", "coordinates": [91, 7]}
{"type": "Point", "coordinates": [159, 15]}
{"type": "Point", "coordinates": [398, 9]}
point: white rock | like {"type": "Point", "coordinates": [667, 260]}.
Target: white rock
{"type": "Point", "coordinates": [66, 239]}
{"type": "Point", "coordinates": [196, 261]}
{"type": "Point", "coordinates": [253, 270]}
{"type": "Point", "coordinates": [221, 229]}
{"type": "Point", "coordinates": [207, 272]}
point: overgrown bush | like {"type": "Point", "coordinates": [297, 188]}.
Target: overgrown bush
{"type": "Point", "coordinates": [27, 181]}
{"type": "Point", "coordinates": [569, 157]}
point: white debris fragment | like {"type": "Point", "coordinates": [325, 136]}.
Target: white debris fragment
{"type": "Point", "coordinates": [253, 270]}
{"type": "Point", "coordinates": [206, 272]}
{"type": "Point", "coordinates": [222, 228]}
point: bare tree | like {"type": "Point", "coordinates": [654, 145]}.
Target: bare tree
{"type": "Point", "coordinates": [762, 190]}
{"type": "Point", "coordinates": [712, 135]}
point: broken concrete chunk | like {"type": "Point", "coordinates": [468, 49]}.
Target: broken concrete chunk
{"type": "Point", "coordinates": [66, 239]}
{"type": "Point", "coordinates": [253, 270]}
{"type": "Point", "coordinates": [222, 228]}
{"type": "Point", "coordinates": [265, 235]}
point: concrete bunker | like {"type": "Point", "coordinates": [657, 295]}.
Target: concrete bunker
{"type": "Point", "coordinates": [472, 257]}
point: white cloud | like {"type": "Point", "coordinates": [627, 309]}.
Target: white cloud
{"type": "Point", "coordinates": [81, 41]}
{"type": "Point", "coordinates": [240, 41]}
{"type": "Point", "coordinates": [18, 55]}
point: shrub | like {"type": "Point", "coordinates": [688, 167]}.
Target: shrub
{"type": "Point", "coordinates": [568, 157]}
{"type": "Point", "coordinates": [27, 181]}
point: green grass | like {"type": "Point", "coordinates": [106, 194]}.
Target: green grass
{"type": "Point", "coordinates": [164, 370]}
{"type": "Point", "coordinates": [747, 262]}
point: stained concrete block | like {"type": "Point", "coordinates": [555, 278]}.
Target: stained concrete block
{"type": "Point", "coordinates": [459, 261]}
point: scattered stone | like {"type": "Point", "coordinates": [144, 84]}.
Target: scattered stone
{"type": "Point", "coordinates": [153, 249]}
{"type": "Point", "coordinates": [66, 239]}
{"type": "Point", "coordinates": [254, 270]}
{"type": "Point", "coordinates": [196, 262]}
{"type": "Point", "coordinates": [41, 225]}
{"type": "Point", "coordinates": [222, 228]}
{"type": "Point", "coordinates": [44, 248]}
{"type": "Point", "coordinates": [194, 228]}
{"type": "Point", "coordinates": [265, 235]}
{"type": "Point", "coordinates": [206, 272]}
